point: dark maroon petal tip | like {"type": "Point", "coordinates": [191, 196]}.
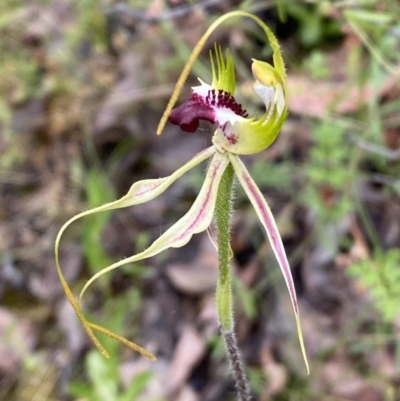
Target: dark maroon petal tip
{"type": "Point", "coordinates": [188, 114]}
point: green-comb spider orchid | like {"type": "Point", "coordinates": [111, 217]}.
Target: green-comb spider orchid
{"type": "Point", "coordinates": [235, 135]}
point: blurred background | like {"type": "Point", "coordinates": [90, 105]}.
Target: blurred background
{"type": "Point", "coordinates": [83, 85]}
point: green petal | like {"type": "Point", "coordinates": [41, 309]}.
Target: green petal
{"type": "Point", "coordinates": [140, 192]}
{"type": "Point", "coordinates": [196, 220]}
{"type": "Point", "coordinates": [252, 136]}
{"type": "Point", "coordinates": [267, 219]}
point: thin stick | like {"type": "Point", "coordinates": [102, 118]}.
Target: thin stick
{"type": "Point", "coordinates": [123, 9]}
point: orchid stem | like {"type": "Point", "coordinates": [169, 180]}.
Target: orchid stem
{"type": "Point", "coordinates": [223, 213]}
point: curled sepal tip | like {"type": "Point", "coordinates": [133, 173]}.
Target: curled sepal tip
{"type": "Point", "coordinates": [265, 215]}
{"type": "Point", "coordinates": [140, 192]}
{"type": "Point", "coordinates": [122, 340]}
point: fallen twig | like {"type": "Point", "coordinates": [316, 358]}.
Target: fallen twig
{"type": "Point", "coordinates": [125, 10]}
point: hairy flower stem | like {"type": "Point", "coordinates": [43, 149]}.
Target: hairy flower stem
{"type": "Point", "coordinates": [235, 360]}
{"type": "Point", "coordinates": [223, 212]}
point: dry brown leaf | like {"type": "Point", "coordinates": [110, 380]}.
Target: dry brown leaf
{"type": "Point", "coordinates": [276, 374]}
{"type": "Point", "coordinates": [200, 275]}
{"type": "Point", "coordinates": [381, 360]}
{"type": "Point", "coordinates": [316, 98]}
{"type": "Point", "coordinates": [208, 318]}
{"type": "Point", "coordinates": [188, 353]}
{"type": "Point", "coordinates": [340, 380]}
{"type": "Point", "coordinates": [130, 369]}
{"type": "Point", "coordinates": [17, 338]}
{"type": "Point", "coordinates": [187, 394]}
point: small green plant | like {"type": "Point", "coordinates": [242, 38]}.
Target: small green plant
{"type": "Point", "coordinates": [280, 175]}
{"type": "Point", "coordinates": [328, 177]}
{"type": "Point", "coordinates": [375, 29]}
{"type": "Point", "coordinates": [97, 192]}
{"type": "Point", "coordinates": [316, 63]}
{"type": "Point", "coordinates": [258, 380]}
{"type": "Point", "coordinates": [314, 24]}
{"type": "Point", "coordinates": [103, 376]}
{"type": "Point", "coordinates": [104, 380]}
{"type": "Point", "coordinates": [91, 25]}
{"type": "Point", "coordinates": [381, 276]}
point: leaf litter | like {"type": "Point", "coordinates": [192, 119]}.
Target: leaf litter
{"type": "Point", "coordinates": [88, 105]}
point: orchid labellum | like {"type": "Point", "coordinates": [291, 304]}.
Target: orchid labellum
{"type": "Point", "coordinates": [236, 134]}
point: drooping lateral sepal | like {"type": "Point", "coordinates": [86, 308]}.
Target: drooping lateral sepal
{"type": "Point", "coordinates": [196, 220]}
{"type": "Point", "coordinates": [267, 219]}
{"type": "Point", "coordinates": [140, 192]}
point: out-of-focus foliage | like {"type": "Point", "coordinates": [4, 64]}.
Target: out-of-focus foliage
{"type": "Point", "coordinates": [80, 98]}
{"type": "Point", "coordinates": [381, 276]}
{"type": "Point", "coordinates": [103, 374]}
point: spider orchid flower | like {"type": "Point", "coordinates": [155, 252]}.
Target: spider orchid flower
{"type": "Point", "coordinates": [236, 134]}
